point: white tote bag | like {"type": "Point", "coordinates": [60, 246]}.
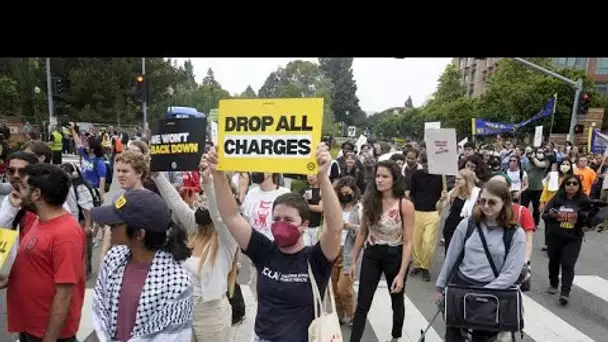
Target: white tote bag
{"type": "Point", "coordinates": [325, 327]}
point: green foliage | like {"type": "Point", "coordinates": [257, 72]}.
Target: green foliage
{"type": "Point", "coordinates": [345, 103]}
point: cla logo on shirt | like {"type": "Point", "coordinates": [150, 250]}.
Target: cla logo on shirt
{"type": "Point", "coordinates": [31, 244]}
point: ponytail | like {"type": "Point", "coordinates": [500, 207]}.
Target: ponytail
{"type": "Point", "coordinates": [177, 243]}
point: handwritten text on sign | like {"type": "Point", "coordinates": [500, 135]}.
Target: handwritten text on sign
{"type": "Point", "coordinates": [253, 134]}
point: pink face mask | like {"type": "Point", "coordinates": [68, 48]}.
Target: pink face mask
{"type": "Point", "coordinates": [285, 234]}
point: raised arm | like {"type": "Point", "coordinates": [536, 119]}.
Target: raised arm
{"type": "Point", "coordinates": [330, 237]}
{"type": "Point", "coordinates": [226, 204]}
{"type": "Point", "coordinates": [180, 209]}
{"type": "Point", "coordinates": [223, 232]}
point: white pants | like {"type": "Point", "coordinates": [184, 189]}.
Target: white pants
{"type": "Point", "coordinates": [212, 321]}
{"type": "Point", "coordinates": [310, 236]}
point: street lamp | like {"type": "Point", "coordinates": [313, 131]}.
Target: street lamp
{"type": "Point", "coordinates": [37, 90]}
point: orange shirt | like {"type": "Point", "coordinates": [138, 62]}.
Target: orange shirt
{"type": "Point", "coordinates": [587, 176]}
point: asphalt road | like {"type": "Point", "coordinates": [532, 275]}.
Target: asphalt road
{"type": "Point", "coordinates": [546, 321]}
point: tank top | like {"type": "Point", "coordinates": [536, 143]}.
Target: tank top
{"type": "Point", "coordinates": [388, 230]}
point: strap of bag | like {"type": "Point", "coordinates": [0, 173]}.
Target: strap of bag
{"type": "Point", "coordinates": [470, 228]}
{"type": "Point", "coordinates": [316, 294]}
{"type": "Point", "coordinates": [485, 248]}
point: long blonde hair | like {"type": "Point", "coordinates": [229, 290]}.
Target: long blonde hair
{"type": "Point", "coordinates": [466, 190]}
{"type": "Point", "coordinates": [207, 239]}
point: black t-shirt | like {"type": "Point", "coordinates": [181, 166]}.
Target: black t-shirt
{"type": "Point", "coordinates": [285, 304]}
{"type": "Point", "coordinates": [315, 217]}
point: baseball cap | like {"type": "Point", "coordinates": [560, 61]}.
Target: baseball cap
{"type": "Point", "coordinates": [140, 208]}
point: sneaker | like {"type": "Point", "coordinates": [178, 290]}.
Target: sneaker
{"type": "Point", "coordinates": [415, 271]}
{"type": "Point", "coordinates": [552, 290]}
{"type": "Point", "coordinates": [426, 276]}
{"type": "Point", "coordinates": [563, 300]}
{"type": "Point", "coordinates": [442, 242]}
{"type": "Point", "coordinates": [544, 249]}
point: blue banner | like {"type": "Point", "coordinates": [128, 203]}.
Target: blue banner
{"type": "Point", "coordinates": [483, 127]}
{"type": "Point", "coordinates": [598, 142]}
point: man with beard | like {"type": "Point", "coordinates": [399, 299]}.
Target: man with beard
{"type": "Point", "coordinates": [11, 213]}
{"type": "Point", "coordinates": [46, 284]}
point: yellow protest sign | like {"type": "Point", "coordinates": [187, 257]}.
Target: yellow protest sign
{"type": "Point", "coordinates": [7, 242]}
{"type": "Point", "coordinates": [269, 135]}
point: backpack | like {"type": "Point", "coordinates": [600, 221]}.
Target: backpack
{"type": "Point", "coordinates": [524, 278]}
{"type": "Point", "coordinates": [76, 182]}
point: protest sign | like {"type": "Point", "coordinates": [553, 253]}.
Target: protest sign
{"type": "Point", "coordinates": [269, 135]}
{"type": "Point", "coordinates": [442, 151]}
{"type": "Point", "coordinates": [177, 144]}
{"type": "Point", "coordinates": [8, 250]}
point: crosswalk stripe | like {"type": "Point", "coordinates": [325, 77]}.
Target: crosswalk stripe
{"type": "Point", "coordinates": [544, 326]}
{"type": "Point", "coordinates": [380, 317]}
{"type": "Point", "coordinates": [593, 284]}
{"type": "Point", "coordinates": [86, 320]}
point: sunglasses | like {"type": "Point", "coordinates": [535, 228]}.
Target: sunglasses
{"type": "Point", "coordinates": [572, 183]}
{"type": "Point", "coordinates": [12, 170]}
{"type": "Point", "coordinates": [489, 202]}
{"type": "Point", "coordinates": [513, 161]}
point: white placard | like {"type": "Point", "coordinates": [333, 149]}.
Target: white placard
{"type": "Point", "coordinates": [442, 151]}
{"type": "Point", "coordinates": [432, 125]}
{"type": "Point", "coordinates": [214, 132]}
{"type": "Point", "coordinates": [362, 140]}
{"type": "Point", "coordinates": [352, 130]}
{"type": "Point", "coordinates": [538, 136]}
{"type": "Point", "coordinates": [463, 141]}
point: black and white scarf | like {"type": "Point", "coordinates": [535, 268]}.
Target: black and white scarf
{"type": "Point", "coordinates": [165, 305]}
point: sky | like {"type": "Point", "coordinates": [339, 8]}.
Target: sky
{"type": "Point", "coordinates": [382, 82]}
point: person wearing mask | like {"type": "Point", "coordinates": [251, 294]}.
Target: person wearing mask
{"type": "Point", "coordinates": [425, 190]}
{"type": "Point", "coordinates": [93, 163]}
{"type": "Point", "coordinates": [285, 298]}
{"type": "Point", "coordinates": [492, 217]}
{"type": "Point", "coordinates": [565, 235]}
{"type": "Point", "coordinates": [56, 143]}
{"type": "Point", "coordinates": [143, 293]}
{"type": "Point", "coordinates": [312, 195]}
{"type": "Point", "coordinates": [460, 202]}
{"type": "Point", "coordinates": [538, 166]}
{"type": "Point", "coordinates": [212, 264]}
{"type": "Point", "coordinates": [386, 230]}
{"type": "Point", "coordinates": [563, 169]}
{"type": "Point", "coordinates": [257, 208]}
{"type": "Point", "coordinates": [348, 194]}
{"type": "Point", "coordinates": [47, 281]}
{"type": "Point", "coordinates": [586, 174]}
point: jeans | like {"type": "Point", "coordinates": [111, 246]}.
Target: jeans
{"type": "Point", "coordinates": [378, 259]}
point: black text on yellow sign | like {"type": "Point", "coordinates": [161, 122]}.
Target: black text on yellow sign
{"type": "Point", "coordinates": [172, 143]}
{"type": "Point", "coordinates": [255, 134]}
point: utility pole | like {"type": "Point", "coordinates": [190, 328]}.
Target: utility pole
{"type": "Point", "coordinates": [49, 91]}
{"type": "Point", "coordinates": [578, 85]}
{"type": "Point", "coordinates": [144, 104]}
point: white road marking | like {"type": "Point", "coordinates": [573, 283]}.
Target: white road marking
{"type": "Point", "coordinates": [593, 284]}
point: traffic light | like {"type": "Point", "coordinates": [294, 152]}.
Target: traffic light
{"type": "Point", "coordinates": [140, 88]}
{"type": "Point", "coordinates": [59, 86]}
{"type": "Point", "coordinates": [583, 103]}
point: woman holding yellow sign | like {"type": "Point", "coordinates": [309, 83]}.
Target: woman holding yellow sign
{"type": "Point", "coordinates": [285, 294]}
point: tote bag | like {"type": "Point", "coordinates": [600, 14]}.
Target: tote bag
{"type": "Point", "coordinates": [325, 327]}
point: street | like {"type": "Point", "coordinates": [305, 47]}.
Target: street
{"type": "Point", "coordinates": [585, 319]}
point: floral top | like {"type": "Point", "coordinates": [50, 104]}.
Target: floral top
{"type": "Point", "coordinates": [388, 230]}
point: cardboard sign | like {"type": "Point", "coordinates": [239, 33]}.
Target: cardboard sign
{"type": "Point", "coordinates": [8, 250]}
{"type": "Point", "coordinates": [177, 144]}
{"type": "Point", "coordinates": [442, 151]}
{"type": "Point", "coordinates": [269, 135]}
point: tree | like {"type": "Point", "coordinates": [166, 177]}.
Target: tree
{"type": "Point", "coordinates": [345, 103]}
{"type": "Point", "coordinates": [210, 79]}
{"type": "Point", "coordinates": [9, 96]}
{"type": "Point", "coordinates": [249, 93]}
{"type": "Point", "coordinates": [408, 103]}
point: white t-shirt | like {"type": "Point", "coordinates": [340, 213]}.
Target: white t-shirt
{"type": "Point", "coordinates": [257, 208]}
{"type": "Point", "coordinates": [345, 218]}
{"type": "Point", "coordinates": [516, 183]}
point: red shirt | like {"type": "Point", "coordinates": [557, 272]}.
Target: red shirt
{"type": "Point", "coordinates": [526, 221]}
{"type": "Point", "coordinates": [192, 179]}
{"type": "Point", "coordinates": [50, 253]}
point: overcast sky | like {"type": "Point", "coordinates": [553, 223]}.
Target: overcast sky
{"type": "Point", "coordinates": [382, 82]}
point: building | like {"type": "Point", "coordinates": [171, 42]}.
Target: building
{"type": "Point", "coordinates": [476, 71]}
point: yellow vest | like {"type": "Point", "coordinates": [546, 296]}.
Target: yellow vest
{"type": "Point", "coordinates": [57, 143]}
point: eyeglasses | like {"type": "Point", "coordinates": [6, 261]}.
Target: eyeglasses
{"type": "Point", "coordinates": [489, 202]}
{"type": "Point", "coordinates": [572, 183]}
{"type": "Point", "coordinates": [12, 170]}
